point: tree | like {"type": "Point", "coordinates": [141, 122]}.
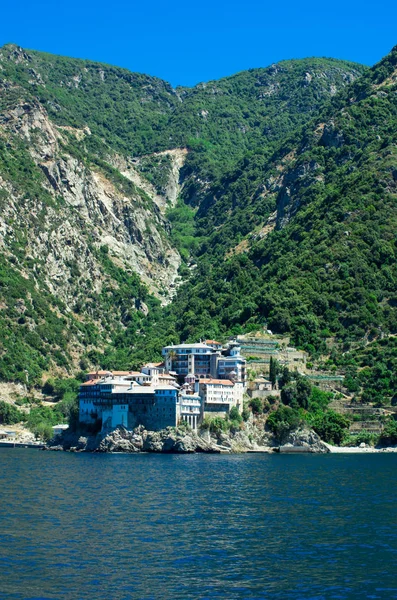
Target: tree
{"type": "Point", "coordinates": [303, 391]}
{"type": "Point", "coordinates": [283, 420]}
{"type": "Point", "coordinates": [9, 414]}
{"type": "Point", "coordinates": [234, 415]}
{"type": "Point", "coordinates": [285, 378]}
{"type": "Point", "coordinates": [389, 434]}
{"type": "Point", "coordinates": [331, 426]}
{"type": "Point", "coordinates": [288, 395]}
{"type": "Point", "coordinates": [256, 405]}
{"type": "Point", "coordinates": [273, 371]}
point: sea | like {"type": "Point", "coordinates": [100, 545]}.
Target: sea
{"type": "Point", "coordinates": [199, 526]}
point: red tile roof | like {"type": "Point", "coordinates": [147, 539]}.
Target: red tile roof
{"type": "Point", "coordinates": [91, 382]}
{"type": "Point", "coordinates": [98, 372]}
{"type": "Point", "coordinates": [123, 373]}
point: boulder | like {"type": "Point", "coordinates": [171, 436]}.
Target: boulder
{"type": "Point", "coordinates": [305, 437]}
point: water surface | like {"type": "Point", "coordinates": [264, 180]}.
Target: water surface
{"type": "Point", "coordinates": [141, 527]}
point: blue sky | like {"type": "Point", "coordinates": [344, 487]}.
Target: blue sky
{"type": "Point", "coordinates": [188, 42]}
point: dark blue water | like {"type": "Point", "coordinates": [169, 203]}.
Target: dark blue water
{"type": "Point", "coordinates": [119, 527]}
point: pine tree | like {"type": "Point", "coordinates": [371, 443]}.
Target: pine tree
{"type": "Point", "coordinates": [273, 371]}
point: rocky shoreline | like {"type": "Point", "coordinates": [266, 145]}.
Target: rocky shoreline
{"type": "Point", "coordinates": [183, 441]}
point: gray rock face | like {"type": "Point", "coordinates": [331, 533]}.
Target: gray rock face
{"type": "Point", "coordinates": [332, 138]}
{"type": "Point", "coordinates": [94, 209]}
{"type": "Point", "coordinates": [139, 440]}
{"type": "Point", "coordinates": [306, 438]}
{"type": "Point", "coordinates": [254, 438]}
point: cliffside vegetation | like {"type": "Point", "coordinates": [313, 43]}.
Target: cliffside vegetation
{"type": "Point", "coordinates": [314, 243]}
{"type": "Point", "coordinates": [286, 214]}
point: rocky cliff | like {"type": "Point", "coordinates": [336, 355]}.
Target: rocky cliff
{"type": "Point", "coordinates": [252, 438]}
{"type": "Point", "coordinates": [92, 158]}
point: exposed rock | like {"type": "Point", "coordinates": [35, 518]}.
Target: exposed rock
{"type": "Point", "coordinates": [254, 438]}
{"type": "Point", "coordinates": [170, 440]}
{"type": "Point", "coordinates": [92, 208]}
{"type": "Point", "coordinates": [332, 137]}
{"type": "Point", "coordinates": [307, 438]}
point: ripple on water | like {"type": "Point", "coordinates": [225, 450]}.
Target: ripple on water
{"type": "Point", "coordinates": [79, 527]}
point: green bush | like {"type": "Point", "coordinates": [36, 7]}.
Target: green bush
{"type": "Point", "coordinates": [256, 406]}
{"type": "Point", "coordinates": [235, 416]}
{"type": "Point", "coordinates": [42, 431]}
{"type": "Point", "coordinates": [389, 434]}
{"type": "Point", "coordinates": [363, 437]}
{"type": "Point", "coordinates": [330, 426]}
{"type": "Point", "coordinates": [9, 414]}
{"type": "Point", "coordinates": [219, 425]}
{"type": "Point", "coordinates": [284, 420]}
{"type": "Point", "coordinates": [245, 413]}
{"type": "Point", "coordinates": [215, 424]}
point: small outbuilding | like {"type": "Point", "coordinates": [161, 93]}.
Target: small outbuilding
{"type": "Point", "coordinates": [59, 429]}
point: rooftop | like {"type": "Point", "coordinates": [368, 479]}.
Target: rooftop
{"type": "Point", "coordinates": [91, 382]}
{"type": "Point", "coordinates": [216, 381]}
{"type": "Point", "coordinates": [182, 346]}
{"type": "Point", "coordinates": [125, 373]}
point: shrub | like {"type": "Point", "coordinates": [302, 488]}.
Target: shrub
{"type": "Point", "coordinates": [256, 406]}
{"type": "Point", "coordinates": [183, 426]}
{"type": "Point", "coordinates": [363, 437]}
{"type": "Point", "coordinates": [234, 415]}
{"type": "Point", "coordinates": [284, 420]}
{"type": "Point", "coordinates": [219, 425]}
{"type": "Point", "coordinates": [245, 413]}
{"type": "Point", "coordinates": [389, 434]}
{"type": "Point", "coordinates": [215, 424]}
{"type": "Point", "coordinates": [43, 431]}
{"type": "Point", "coordinates": [205, 425]}
{"type": "Point", "coordinates": [331, 426]}
{"type": "Point", "coordinates": [9, 414]}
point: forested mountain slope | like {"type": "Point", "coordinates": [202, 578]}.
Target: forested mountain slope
{"type": "Point", "coordinates": [92, 159]}
{"type": "Point", "coordinates": [137, 114]}
{"type": "Point", "coordinates": [310, 247]}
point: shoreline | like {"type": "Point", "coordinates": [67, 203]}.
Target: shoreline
{"type": "Point", "coordinates": [260, 450]}
{"type": "Point", "coordinates": [359, 450]}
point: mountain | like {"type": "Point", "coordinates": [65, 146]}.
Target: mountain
{"type": "Point", "coordinates": [310, 248]}
{"type": "Point", "coordinates": [108, 177]}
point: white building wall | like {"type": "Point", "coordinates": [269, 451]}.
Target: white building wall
{"type": "Point", "coordinates": [238, 395]}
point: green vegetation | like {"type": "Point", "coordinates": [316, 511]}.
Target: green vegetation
{"type": "Point", "coordinates": [183, 229]}
{"type": "Point", "coordinates": [330, 426]}
{"type": "Point", "coordinates": [218, 425]}
{"type": "Point", "coordinates": [304, 403]}
{"type": "Point", "coordinates": [284, 420]}
{"type": "Point", "coordinates": [157, 170]}
{"type": "Point", "coordinates": [9, 414]}
{"type": "Point", "coordinates": [389, 434]}
{"type": "Point", "coordinates": [328, 269]}
{"type": "Point", "coordinates": [256, 406]}
{"type": "Point", "coordinates": [33, 335]}
{"type": "Point", "coordinates": [371, 371]}
{"type": "Point", "coordinates": [287, 217]}
{"type": "Point", "coordinates": [235, 416]}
